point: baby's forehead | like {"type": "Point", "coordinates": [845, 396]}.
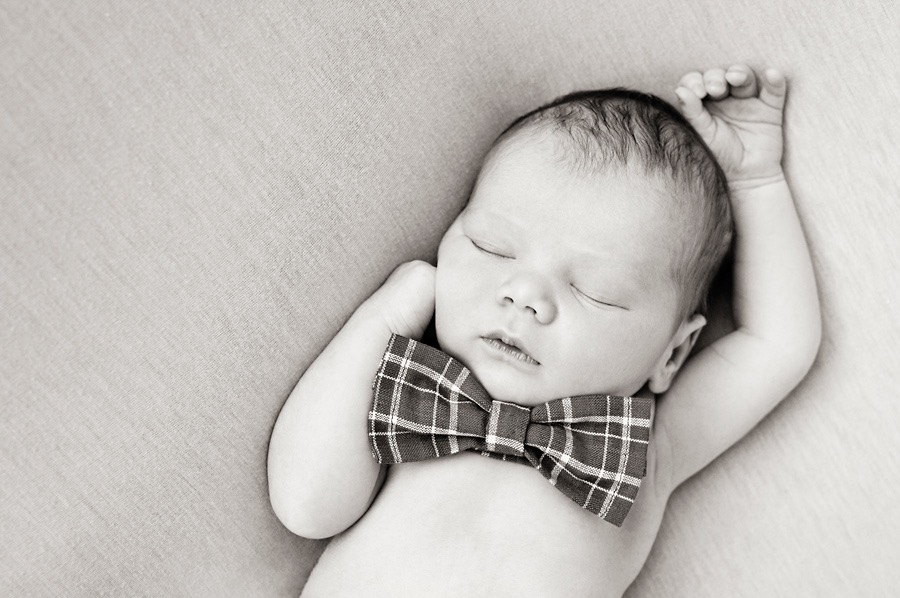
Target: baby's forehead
{"type": "Point", "coordinates": [533, 199]}
{"type": "Point", "coordinates": [572, 158]}
{"type": "Point", "coordinates": [574, 151]}
{"type": "Point", "coordinates": [578, 227]}
{"type": "Point", "coordinates": [509, 172]}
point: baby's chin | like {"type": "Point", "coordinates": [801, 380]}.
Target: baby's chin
{"type": "Point", "coordinates": [504, 383]}
{"type": "Point", "coordinates": [526, 385]}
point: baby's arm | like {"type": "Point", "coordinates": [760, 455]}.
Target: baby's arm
{"type": "Point", "coordinates": [727, 388]}
{"type": "Point", "coordinates": [322, 476]}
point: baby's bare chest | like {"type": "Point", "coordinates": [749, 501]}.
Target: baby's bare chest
{"type": "Point", "coordinates": [466, 522]}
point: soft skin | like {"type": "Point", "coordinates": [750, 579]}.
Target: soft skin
{"type": "Point", "coordinates": [554, 264]}
{"type": "Point", "coordinates": [576, 270]}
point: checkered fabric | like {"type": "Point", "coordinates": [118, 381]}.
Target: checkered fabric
{"type": "Point", "coordinates": [593, 448]}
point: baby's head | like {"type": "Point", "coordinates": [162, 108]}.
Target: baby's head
{"type": "Point", "coordinates": [590, 240]}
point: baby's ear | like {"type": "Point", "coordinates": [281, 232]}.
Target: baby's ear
{"type": "Point", "coordinates": [676, 354]}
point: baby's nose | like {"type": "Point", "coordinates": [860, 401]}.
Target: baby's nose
{"type": "Point", "coordinates": [531, 294]}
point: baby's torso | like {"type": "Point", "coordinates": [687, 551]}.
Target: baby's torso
{"type": "Point", "coordinates": [470, 525]}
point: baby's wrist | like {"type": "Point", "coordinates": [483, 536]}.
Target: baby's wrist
{"type": "Point", "coordinates": [742, 185]}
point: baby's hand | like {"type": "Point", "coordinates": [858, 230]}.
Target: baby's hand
{"type": "Point", "coordinates": [740, 121]}
{"type": "Point", "coordinates": [406, 299]}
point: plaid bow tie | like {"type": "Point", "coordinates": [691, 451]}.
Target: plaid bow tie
{"type": "Point", "coordinates": [593, 448]}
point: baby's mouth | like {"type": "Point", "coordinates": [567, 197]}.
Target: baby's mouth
{"type": "Point", "coordinates": [506, 345]}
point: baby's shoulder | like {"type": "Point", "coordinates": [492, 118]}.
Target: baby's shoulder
{"type": "Point", "coordinates": [660, 470]}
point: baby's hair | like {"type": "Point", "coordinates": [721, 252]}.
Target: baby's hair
{"type": "Point", "coordinates": [625, 129]}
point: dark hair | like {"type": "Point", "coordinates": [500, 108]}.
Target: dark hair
{"type": "Point", "coordinates": [621, 128]}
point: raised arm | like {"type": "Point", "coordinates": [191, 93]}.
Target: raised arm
{"type": "Point", "coordinates": [726, 389]}
{"type": "Point", "coordinates": [322, 476]}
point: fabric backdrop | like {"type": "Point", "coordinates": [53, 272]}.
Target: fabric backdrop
{"type": "Point", "coordinates": [196, 195]}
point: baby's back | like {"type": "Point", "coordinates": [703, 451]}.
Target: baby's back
{"type": "Point", "coordinates": [471, 524]}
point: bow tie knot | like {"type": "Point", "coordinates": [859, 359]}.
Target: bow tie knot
{"type": "Point", "coordinates": [506, 429]}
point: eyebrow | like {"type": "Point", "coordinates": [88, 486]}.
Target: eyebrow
{"type": "Point", "coordinates": [631, 280]}
{"type": "Point", "coordinates": [580, 254]}
{"type": "Point", "coordinates": [482, 213]}
{"type": "Point", "coordinates": [638, 282]}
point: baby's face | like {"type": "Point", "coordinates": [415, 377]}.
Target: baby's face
{"type": "Point", "coordinates": [572, 271]}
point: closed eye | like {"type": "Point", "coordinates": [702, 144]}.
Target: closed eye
{"type": "Point", "coordinates": [596, 301]}
{"type": "Point", "coordinates": [488, 251]}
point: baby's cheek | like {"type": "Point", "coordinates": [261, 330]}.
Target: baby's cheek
{"type": "Point", "coordinates": [449, 311]}
{"type": "Point", "coordinates": [599, 360]}
{"type": "Point", "coordinates": [447, 292]}
{"type": "Point", "coordinates": [457, 281]}
{"type": "Point", "coordinates": [594, 359]}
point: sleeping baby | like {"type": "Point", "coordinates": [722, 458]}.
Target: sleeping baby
{"type": "Point", "coordinates": [530, 447]}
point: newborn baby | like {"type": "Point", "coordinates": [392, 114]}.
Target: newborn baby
{"type": "Point", "coordinates": [574, 279]}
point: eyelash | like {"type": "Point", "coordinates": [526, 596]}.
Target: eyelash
{"type": "Point", "coordinates": [595, 301]}
{"type": "Point", "coordinates": [487, 251]}
{"type": "Point", "coordinates": [588, 297]}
